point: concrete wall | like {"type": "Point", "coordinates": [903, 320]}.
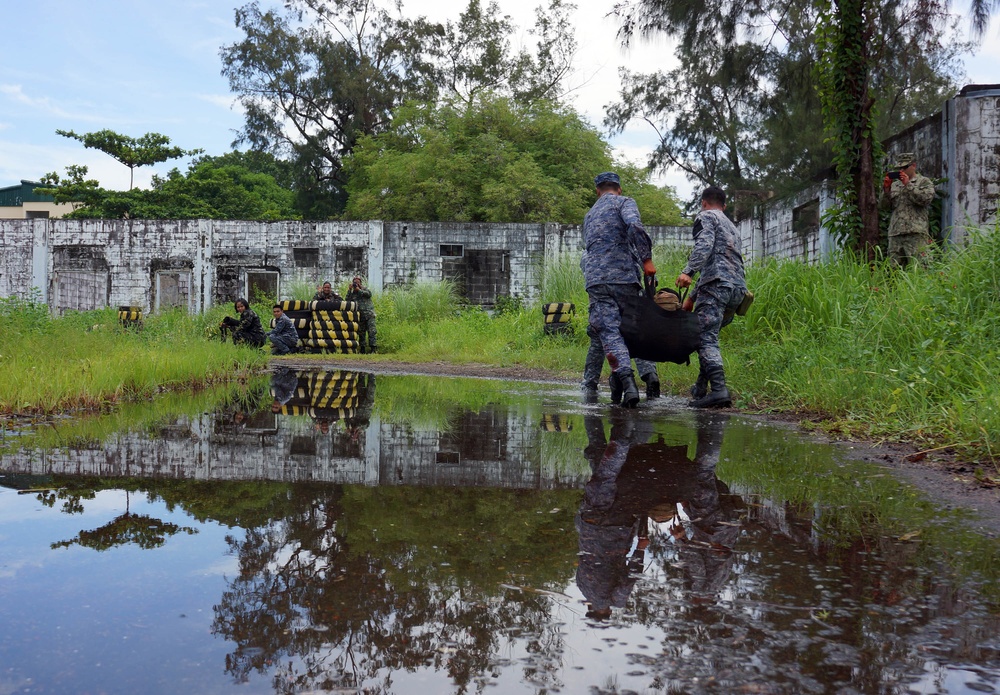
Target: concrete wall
{"type": "Point", "coordinates": [292, 449]}
{"type": "Point", "coordinates": [155, 264]}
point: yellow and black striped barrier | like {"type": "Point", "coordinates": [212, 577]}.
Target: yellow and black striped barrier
{"type": "Point", "coordinates": [130, 317]}
{"type": "Point", "coordinates": [557, 316]}
{"type": "Point", "coordinates": [556, 423]}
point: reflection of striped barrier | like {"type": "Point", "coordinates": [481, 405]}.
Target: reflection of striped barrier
{"type": "Point", "coordinates": [331, 395]}
{"type": "Point", "coordinates": [557, 316]}
{"type": "Point", "coordinates": [130, 316]}
{"type": "Point", "coordinates": [556, 423]}
{"type": "Point", "coordinates": [317, 413]}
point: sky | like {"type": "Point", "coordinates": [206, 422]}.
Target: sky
{"type": "Point", "coordinates": [151, 66]}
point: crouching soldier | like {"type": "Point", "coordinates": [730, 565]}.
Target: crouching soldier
{"type": "Point", "coordinates": [284, 338]}
{"type": "Point", "coordinates": [246, 329]}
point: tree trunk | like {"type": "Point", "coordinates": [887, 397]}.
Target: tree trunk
{"type": "Point", "coordinates": [864, 185]}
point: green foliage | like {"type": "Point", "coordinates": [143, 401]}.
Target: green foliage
{"type": "Point", "coordinates": [213, 188]}
{"type": "Point", "coordinates": [316, 78]}
{"type": "Point", "coordinates": [146, 150]}
{"type": "Point", "coordinates": [742, 109]}
{"type": "Point", "coordinates": [492, 160]}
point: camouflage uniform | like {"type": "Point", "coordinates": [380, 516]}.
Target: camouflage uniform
{"type": "Point", "coordinates": [247, 329]}
{"type": "Point", "coordinates": [616, 243]}
{"type": "Point", "coordinates": [909, 230]}
{"type": "Point", "coordinates": [367, 330]}
{"type": "Point", "coordinates": [595, 357]}
{"type": "Point", "coordinates": [332, 297]}
{"type": "Point", "coordinates": [721, 285]}
{"type": "Point", "coordinates": [284, 337]}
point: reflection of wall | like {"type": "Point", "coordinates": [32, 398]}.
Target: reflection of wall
{"type": "Point", "coordinates": [498, 448]}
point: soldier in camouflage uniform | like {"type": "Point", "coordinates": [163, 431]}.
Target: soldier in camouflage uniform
{"type": "Point", "coordinates": [909, 197]}
{"type": "Point", "coordinates": [615, 243]}
{"type": "Point", "coordinates": [367, 331]}
{"type": "Point", "coordinates": [325, 293]}
{"type": "Point", "coordinates": [595, 363]}
{"type": "Point", "coordinates": [247, 329]}
{"type": "Point", "coordinates": [721, 288]}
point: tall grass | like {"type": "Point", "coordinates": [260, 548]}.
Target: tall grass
{"type": "Point", "coordinates": [897, 354]}
{"type": "Point", "coordinates": [86, 360]}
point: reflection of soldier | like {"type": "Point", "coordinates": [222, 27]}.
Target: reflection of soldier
{"type": "Point", "coordinates": [284, 382]}
{"type": "Point", "coordinates": [705, 539]}
{"type": "Point", "coordinates": [634, 479]}
{"type": "Point", "coordinates": [608, 530]}
{"type": "Point", "coordinates": [359, 421]}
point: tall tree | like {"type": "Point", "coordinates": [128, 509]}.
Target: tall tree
{"type": "Point", "coordinates": [743, 109]}
{"type": "Point", "coordinates": [151, 148]}
{"type": "Point", "coordinates": [314, 79]}
{"type": "Point", "coordinates": [493, 160]}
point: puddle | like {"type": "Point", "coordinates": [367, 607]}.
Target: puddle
{"type": "Point", "coordinates": [339, 532]}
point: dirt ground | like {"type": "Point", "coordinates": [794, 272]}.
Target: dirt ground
{"type": "Point", "coordinates": [944, 478]}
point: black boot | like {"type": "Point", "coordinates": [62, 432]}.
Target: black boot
{"type": "Point", "coordinates": [719, 397]}
{"type": "Point", "coordinates": [700, 387]}
{"type": "Point", "coordinates": [589, 391]}
{"type": "Point", "coordinates": [616, 388]}
{"type": "Point", "coordinates": [652, 386]}
{"type": "Point", "coordinates": [629, 391]}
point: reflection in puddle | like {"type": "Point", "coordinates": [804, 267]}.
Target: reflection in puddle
{"type": "Point", "coordinates": [451, 535]}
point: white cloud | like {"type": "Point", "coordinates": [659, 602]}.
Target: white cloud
{"type": "Point", "coordinates": [46, 106]}
{"type": "Point", "coordinates": [225, 101]}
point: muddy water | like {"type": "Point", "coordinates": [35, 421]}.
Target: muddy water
{"type": "Point", "coordinates": [321, 535]}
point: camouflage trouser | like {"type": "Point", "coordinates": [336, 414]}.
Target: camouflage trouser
{"type": "Point", "coordinates": [281, 347]}
{"type": "Point", "coordinates": [712, 302]}
{"type": "Point", "coordinates": [367, 331]}
{"type": "Point", "coordinates": [595, 362]}
{"type": "Point", "coordinates": [606, 302]}
{"type": "Point", "coordinates": [904, 248]}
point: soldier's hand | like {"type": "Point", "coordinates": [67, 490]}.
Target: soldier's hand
{"type": "Point", "coordinates": [683, 280]}
{"type": "Point", "coordinates": [904, 178]}
{"type": "Point", "coordinates": [648, 268]}
{"type": "Point", "coordinates": [886, 183]}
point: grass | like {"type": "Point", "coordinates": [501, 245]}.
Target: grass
{"type": "Point", "coordinates": [88, 361]}
{"type": "Point", "coordinates": [868, 350]}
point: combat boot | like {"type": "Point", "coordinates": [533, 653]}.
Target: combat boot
{"type": "Point", "coordinates": [589, 390]}
{"type": "Point", "coordinates": [652, 386]}
{"type": "Point", "coordinates": [616, 388]}
{"type": "Point", "coordinates": [719, 396]}
{"type": "Point", "coordinates": [700, 387]}
{"type": "Point", "coordinates": [629, 391]}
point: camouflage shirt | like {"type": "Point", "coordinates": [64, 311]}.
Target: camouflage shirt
{"type": "Point", "coordinates": [363, 298]}
{"type": "Point", "coordinates": [716, 253]}
{"type": "Point", "coordinates": [910, 205]}
{"type": "Point", "coordinates": [615, 242]}
{"type": "Point", "coordinates": [332, 297]}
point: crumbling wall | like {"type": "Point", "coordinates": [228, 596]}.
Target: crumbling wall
{"type": "Point", "coordinates": [975, 184]}
{"type": "Point", "coordinates": [789, 228]}
{"type": "Point", "coordinates": [17, 239]}
{"type": "Point", "coordinates": [485, 260]}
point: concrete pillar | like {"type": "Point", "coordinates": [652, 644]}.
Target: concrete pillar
{"type": "Point", "coordinates": [41, 259]}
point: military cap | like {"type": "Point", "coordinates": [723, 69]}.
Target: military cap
{"type": "Point", "coordinates": [904, 160]}
{"type": "Point", "coordinates": [607, 177]}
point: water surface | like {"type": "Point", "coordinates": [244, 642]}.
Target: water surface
{"type": "Point", "coordinates": [316, 534]}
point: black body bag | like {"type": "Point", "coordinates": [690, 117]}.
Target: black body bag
{"type": "Point", "coordinates": [658, 335]}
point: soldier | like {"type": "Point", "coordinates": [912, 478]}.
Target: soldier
{"type": "Point", "coordinates": [721, 288]}
{"type": "Point", "coordinates": [367, 332]}
{"type": "Point", "coordinates": [246, 329]}
{"type": "Point", "coordinates": [325, 293]}
{"type": "Point", "coordinates": [909, 195]}
{"type": "Point", "coordinates": [284, 337]}
{"type": "Point", "coordinates": [615, 243]}
{"type": "Point", "coordinates": [595, 362]}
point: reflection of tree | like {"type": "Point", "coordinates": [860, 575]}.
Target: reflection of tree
{"type": "Point", "coordinates": [142, 530]}
{"type": "Point", "coordinates": [357, 583]}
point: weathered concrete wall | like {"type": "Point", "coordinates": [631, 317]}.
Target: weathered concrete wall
{"type": "Point", "coordinates": [974, 151]}
{"type": "Point", "coordinates": [293, 449]}
{"type": "Point", "coordinates": [17, 240]}
{"type": "Point", "coordinates": [789, 228]}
